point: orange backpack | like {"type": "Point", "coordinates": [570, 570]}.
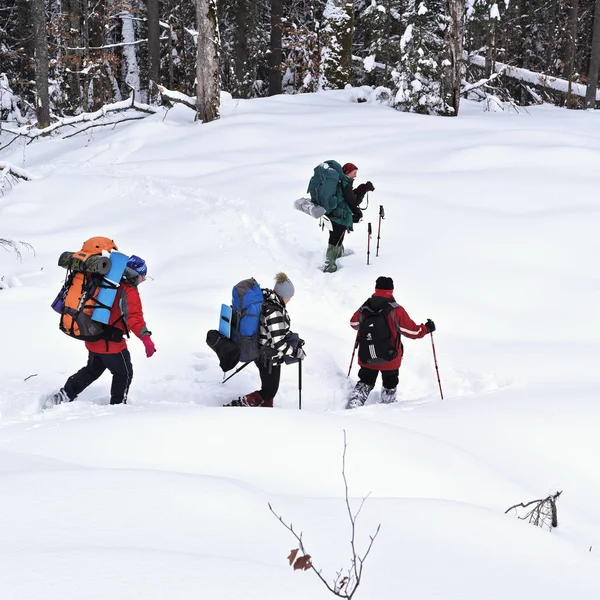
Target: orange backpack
{"type": "Point", "coordinates": [77, 299]}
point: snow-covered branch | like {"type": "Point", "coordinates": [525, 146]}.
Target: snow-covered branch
{"type": "Point", "coordinates": [31, 132]}
{"type": "Point", "coordinates": [118, 45]}
{"type": "Point", "coordinates": [7, 169]}
{"type": "Point", "coordinates": [173, 96]}
{"type": "Point", "coordinates": [541, 79]}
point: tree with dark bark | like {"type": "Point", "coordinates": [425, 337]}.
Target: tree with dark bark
{"type": "Point", "coordinates": [592, 83]}
{"type": "Point", "coordinates": [275, 48]}
{"type": "Point", "coordinates": [207, 63]}
{"type": "Point", "coordinates": [570, 49]}
{"type": "Point", "coordinates": [152, 15]}
{"type": "Point", "coordinates": [40, 36]}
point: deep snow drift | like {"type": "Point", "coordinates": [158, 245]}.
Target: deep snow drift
{"type": "Point", "coordinates": [489, 230]}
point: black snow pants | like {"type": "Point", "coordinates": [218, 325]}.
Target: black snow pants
{"type": "Point", "coordinates": [118, 364]}
{"type": "Point", "coordinates": [389, 378]}
{"type": "Point", "coordinates": [270, 375]}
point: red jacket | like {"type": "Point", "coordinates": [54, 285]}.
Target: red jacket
{"type": "Point", "coordinates": [408, 328]}
{"type": "Point", "coordinates": [127, 303]}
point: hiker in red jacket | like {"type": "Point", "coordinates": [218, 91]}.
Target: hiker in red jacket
{"type": "Point", "coordinates": [126, 314]}
{"type": "Point", "coordinates": [382, 352]}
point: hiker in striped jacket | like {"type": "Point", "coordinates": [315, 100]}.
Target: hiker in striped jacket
{"type": "Point", "coordinates": [279, 345]}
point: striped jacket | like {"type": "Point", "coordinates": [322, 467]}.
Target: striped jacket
{"type": "Point", "coordinates": [275, 326]}
{"type": "Point", "coordinates": [407, 327]}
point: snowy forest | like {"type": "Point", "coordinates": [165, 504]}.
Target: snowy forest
{"type": "Point", "coordinates": [60, 58]}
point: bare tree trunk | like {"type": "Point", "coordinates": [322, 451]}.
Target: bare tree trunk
{"type": "Point", "coordinates": [386, 42]}
{"type": "Point", "coordinates": [241, 48]}
{"type": "Point", "coordinates": [40, 34]}
{"type": "Point", "coordinates": [490, 59]}
{"type": "Point", "coordinates": [152, 14]}
{"type": "Point", "coordinates": [570, 48]}
{"type": "Point", "coordinates": [455, 41]}
{"type": "Point", "coordinates": [276, 52]}
{"type": "Point", "coordinates": [207, 63]}
{"type": "Point", "coordinates": [592, 83]}
{"type": "Point", "coordinates": [96, 29]}
{"type": "Point", "coordinates": [170, 54]}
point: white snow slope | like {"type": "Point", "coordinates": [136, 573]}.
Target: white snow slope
{"type": "Point", "coordinates": [490, 230]}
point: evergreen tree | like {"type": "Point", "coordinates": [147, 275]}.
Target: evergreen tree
{"type": "Point", "coordinates": [418, 76]}
{"type": "Point", "coordinates": [336, 44]}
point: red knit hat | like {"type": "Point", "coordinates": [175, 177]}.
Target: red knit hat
{"type": "Point", "coordinates": [349, 167]}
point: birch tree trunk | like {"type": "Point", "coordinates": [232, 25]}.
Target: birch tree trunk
{"type": "Point", "coordinates": [207, 62]}
{"type": "Point", "coordinates": [592, 83]}
{"type": "Point", "coordinates": [276, 52]}
{"type": "Point", "coordinates": [40, 35]}
{"type": "Point", "coordinates": [130, 61]}
{"type": "Point", "coordinates": [452, 73]}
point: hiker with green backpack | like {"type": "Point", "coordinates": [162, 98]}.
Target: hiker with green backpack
{"type": "Point", "coordinates": [331, 188]}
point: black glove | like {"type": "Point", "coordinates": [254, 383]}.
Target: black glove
{"type": "Point", "coordinates": [294, 340]}
{"type": "Point", "coordinates": [369, 186]}
{"type": "Point", "coordinates": [430, 326]}
{"type": "Point", "coordinates": [357, 216]}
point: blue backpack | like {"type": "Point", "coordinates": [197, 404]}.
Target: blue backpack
{"type": "Point", "coordinates": [247, 301]}
{"type": "Point", "coordinates": [323, 185]}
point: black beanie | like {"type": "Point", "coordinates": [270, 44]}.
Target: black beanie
{"type": "Point", "coordinates": [384, 283]}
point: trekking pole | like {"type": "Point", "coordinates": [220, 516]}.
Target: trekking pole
{"type": "Point", "coordinates": [236, 372]}
{"type": "Point", "coordinates": [381, 216]}
{"type": "Point", "coordinates": [369, 233]}
{"type": "Point", "coordinates": [353, 353]}
{"type": "Point", "coordinates": [436, 366]}
{"type": "Point", "coordinates": [299, 385]}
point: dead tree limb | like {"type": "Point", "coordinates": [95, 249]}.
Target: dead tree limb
{"type": "Point", "coordinates": [345, 582]}
{"type": "Point", "coordinates": [11, 245]}
{"type": "Point", "coordinates": [8, 169]}
{"type": "Point", "coordinates": [178, 97]}
{"type": "Point", "coordinates": [543, 514]}
{"type": "Point", "coordinates": [65, 137]}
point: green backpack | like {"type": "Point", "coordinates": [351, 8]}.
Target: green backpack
{"type": "Point", "coordinates": [323, 185]}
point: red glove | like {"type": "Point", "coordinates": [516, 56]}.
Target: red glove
{"type": "Point", "coordinates": [148, 345]}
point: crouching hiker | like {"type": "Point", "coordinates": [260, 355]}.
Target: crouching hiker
{"type": "Point", "coordinates": [125, 315]}
{"type": "Point", "coordinates": [277, 343]}
{"type": "Point", "coordinates": [380, 322]}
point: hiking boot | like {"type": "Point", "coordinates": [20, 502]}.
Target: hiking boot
{"type": "Point", "coordinates": [359, 395]}
{"type": "Point", "coordinates": [331, 256]}
{"type": "Point", "coordinates": [57, 398]}
{"type": "Point", "coordinates": [253, 399]}
{"type": "Point", "coordinates": [388, 395]}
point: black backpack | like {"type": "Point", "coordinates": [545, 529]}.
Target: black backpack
{"type": "Point", "coordinates": [375, 342]}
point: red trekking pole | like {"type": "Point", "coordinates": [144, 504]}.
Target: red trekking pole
{"type": "Point", "coordinates": [353, 352]}
{"type": "Point", "coordinates": [436, 366]}
{"type": "Point", "coordinates": [369, 233]}
{"type": "Point", "coordinates": [381, 216]}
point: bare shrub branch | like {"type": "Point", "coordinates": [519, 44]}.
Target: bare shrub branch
{"type": "Point", "coordinates": [346, 581]}
{"type": "Point", "coordinates": [12, 246]}
{"type": "Point", "coordinates": [543, 514]}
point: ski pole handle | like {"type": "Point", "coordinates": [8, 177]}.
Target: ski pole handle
{"type": "Point", "coordinates": [381, 216]}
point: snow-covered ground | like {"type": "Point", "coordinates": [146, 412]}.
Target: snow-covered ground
{"type": "Point", "coordinates": [490, 230]}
